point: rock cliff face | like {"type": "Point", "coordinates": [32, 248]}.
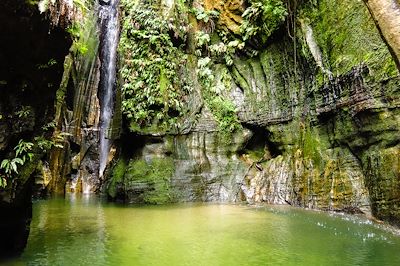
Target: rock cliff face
{"type": "Point", "coordinates": [75, 164]}
{"type": "Point", "coordinates": [306, 115]}
{"type": "Point", "coordinates": [32, 52]}
{"type": "Point", "coordinates": [285, 102]}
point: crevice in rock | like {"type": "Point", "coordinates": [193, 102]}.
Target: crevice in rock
{"type": "Point", "coordinates": [259, 145]}
{"type": "Point", "coordinates": [70, 94]}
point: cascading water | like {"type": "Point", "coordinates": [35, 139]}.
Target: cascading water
{"type": "Point", "coordinates": [109, 44]}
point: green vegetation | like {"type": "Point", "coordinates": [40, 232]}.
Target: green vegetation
{"type": "Point", "coordinates": [204, 15]}
{"type": "Point", "coordinates": [347, 36]}
{"type": "Point", "coordinates": [117, 177]}
{"type": "Point", "coordinates": [24, 112]}
{"type": "Point", "coordinates": [49, 64]}
{"type": "Point", "coordinates": [9, 166]}
{"type": "Point", "coordinates": [218, 51]}
{"type": "Point", "coordinates": [157, 174]}
{"type": "Point", "coordinates": [152, 49]}
{"type": "Point", "coordinates": [262, 18]}
{"type": "Point", "coordinates": [82, 31]}
{"type": "Point", "coordinates": [24, 152]}
{"type": "Point", "coordinates": [223, 109]}
{"type": "Point", "coordinates": [23, 149]}
{"type": "Point", "coordinates": [383, 180]}
{"type": "Point", "coordinates": [76, 31]}
{"type": "Point", "coordinates": [206, 18]}
{"type": "Point", "coordinates": [311, 145]}
{"type": "Point", "coordinates": [150, 180]}
{"type": "Point", "coordinates": [55, 141]}
{"type": "Point", "coordinates": [153, 91]}
{"type": "Point", "coordinates": [83, 4]}
{"type": "Point", "coordinates": [225, 113]}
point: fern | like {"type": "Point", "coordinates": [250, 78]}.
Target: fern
{"type": "Point", "coordinates": [262, 17]}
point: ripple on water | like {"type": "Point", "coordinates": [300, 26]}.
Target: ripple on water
{"type": "Point", "coordinates": [88, 232]}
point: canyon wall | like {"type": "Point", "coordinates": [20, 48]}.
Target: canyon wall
{"type": "Point", "coordinates": [284, 102]}
{"type": "Point", "coordinates": [302, 110]}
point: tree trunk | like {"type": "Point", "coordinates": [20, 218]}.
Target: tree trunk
{"type": "Point", "coordinates": [386, 14]}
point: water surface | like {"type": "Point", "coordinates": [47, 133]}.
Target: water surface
{"type": "Point", "coordinates": [87, 231]}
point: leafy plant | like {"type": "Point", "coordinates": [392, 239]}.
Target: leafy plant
{"type": "Point", "coordinates": [49, 125]}
{"type": "Point", "coordinates": [50, 63]}
{"type": "Point", "coordinates": [225, 113]}
{"type": "Point", "coordinates": [56, 141]}
{"type": "Point", "coordinates": [204, 15]}
{"type": "Point", "coordinates": [43, 143]}
{"type": "Point", "coordinates": [10, 165]}
{"type": "Point", "coordinates": [22, 150]}
{"type": "Point", "coordinates": [206, 18]}
{"type": "Point", "coordinates": [24, 112]}
{"type": "Point", "coordinates": [152, 90]}
{"type": "Point", "coordinates": [3, 181]}
{"type": "Point", "coordinates": [227, 51]}
{"type": "Point", "coordinates": [59, 138]}
{"type": "Point", "coordinates": [79, 44]}
{"type": "Point", "coordinates": [202, 42]}
{"type": "Point", "coordinates": [222, 109]}
{"type": "Point", "coordinates": [262, 17]}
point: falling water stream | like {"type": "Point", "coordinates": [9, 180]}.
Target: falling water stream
{"type": "Point", "coordinates": [110, 37]}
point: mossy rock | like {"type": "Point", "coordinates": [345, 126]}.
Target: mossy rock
{"type": "Point", "coordinates": [141, 181]}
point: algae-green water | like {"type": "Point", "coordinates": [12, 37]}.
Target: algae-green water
{"type": "Point", "coordinates": [87, 231]}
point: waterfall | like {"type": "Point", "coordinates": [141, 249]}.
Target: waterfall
{"type": "Point", "coordinates": [108, 56]}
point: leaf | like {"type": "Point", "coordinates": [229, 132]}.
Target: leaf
{"type": "Point", "coordinates": [17, 160]}
{"type": "Point", "coordinates": [4, 163]}
{"type": "Point", "coordinates": [3, 182]}
{"type": "Point", "coordinates": [14, 166]}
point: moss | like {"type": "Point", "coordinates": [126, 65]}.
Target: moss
{"type": "Point", "coordinates": [117, 177]}
{"type": "Point", "coordinates": [239, 79]}
{"type": "Point", "coordinates": [142, 181]}
{"type": "Point", "coordinates": [216, 86]}
{"type": "Point", "coordinates": [331, 186]}
{"type": "Point", "coordinates": [255, 155]}
{"type": "Point", "coordinates": [382, 168]}
{"type": "Point", "coordinates": [311, 144]}
{"type": "Point", "coordinates": [155, 176]}
{"type": "Point", "coordinates": [348, 37]}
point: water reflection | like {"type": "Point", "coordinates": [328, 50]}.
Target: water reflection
{"type": "Point", "coordinates": [67, 230]}
{"type": "Point", "coordinates": [82, 230]}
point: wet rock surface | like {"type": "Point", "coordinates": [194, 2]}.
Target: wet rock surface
{"type": "Point", "coordinates": [193, 167]}
{"type": "Point", "coordinates": [323, 123]}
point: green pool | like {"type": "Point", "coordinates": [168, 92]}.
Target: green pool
{"type": "Point", "coordinates": [86, 231]}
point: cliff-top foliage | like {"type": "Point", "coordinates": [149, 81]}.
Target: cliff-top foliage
{"type": "Point", "coordinates": [262, 18]}
{"type": "Point", "coordinates": [154, 95]}
{"type": "Point", "coordinates": [154, 47]}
